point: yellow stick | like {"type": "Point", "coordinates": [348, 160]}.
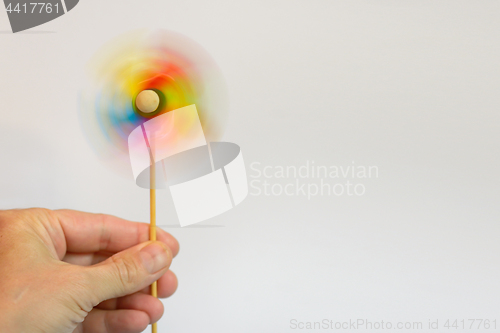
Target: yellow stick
{"type": "Point", "coordinates": [152, 228]}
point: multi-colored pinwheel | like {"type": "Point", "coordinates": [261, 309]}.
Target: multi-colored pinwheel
{"type": "Point", "coordinates": [164, 68]}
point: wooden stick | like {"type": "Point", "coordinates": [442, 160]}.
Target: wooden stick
{"type": "Point", "coordinates": [152, 227]}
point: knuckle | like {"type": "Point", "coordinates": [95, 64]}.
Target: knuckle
{"type": "Point", "coordinates": [40, 212]}
{"type": "Point", "coordinates": [127, 271]}
{"type": "Point", "coordinates": [38, 216]}
{"type": "Point", "coordinates": [20, 219]}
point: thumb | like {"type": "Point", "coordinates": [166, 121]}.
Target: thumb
{"type": "Point", "coordinates": [129, 271]}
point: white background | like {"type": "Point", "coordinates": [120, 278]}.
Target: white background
{"type": "Point", "coordinates": [409, 86]}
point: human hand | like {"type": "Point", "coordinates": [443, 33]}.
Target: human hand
{"type": "Point", "coordinates": [68, 271]}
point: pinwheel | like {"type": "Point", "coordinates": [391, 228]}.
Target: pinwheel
{"type": "Point", "coordinates": [154, 105]}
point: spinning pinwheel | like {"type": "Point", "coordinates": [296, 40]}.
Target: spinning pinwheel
{"type": "Point", "coordinates": [156, 103]}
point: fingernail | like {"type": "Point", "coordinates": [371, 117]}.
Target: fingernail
{"type": "Point", "coordinates": [155, 257]}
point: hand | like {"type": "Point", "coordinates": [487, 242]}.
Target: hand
{"type": "Point", "coordinates": [67, 271]}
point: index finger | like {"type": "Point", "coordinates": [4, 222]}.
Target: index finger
{"type": "Point", "coordinates": [88, 232]}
